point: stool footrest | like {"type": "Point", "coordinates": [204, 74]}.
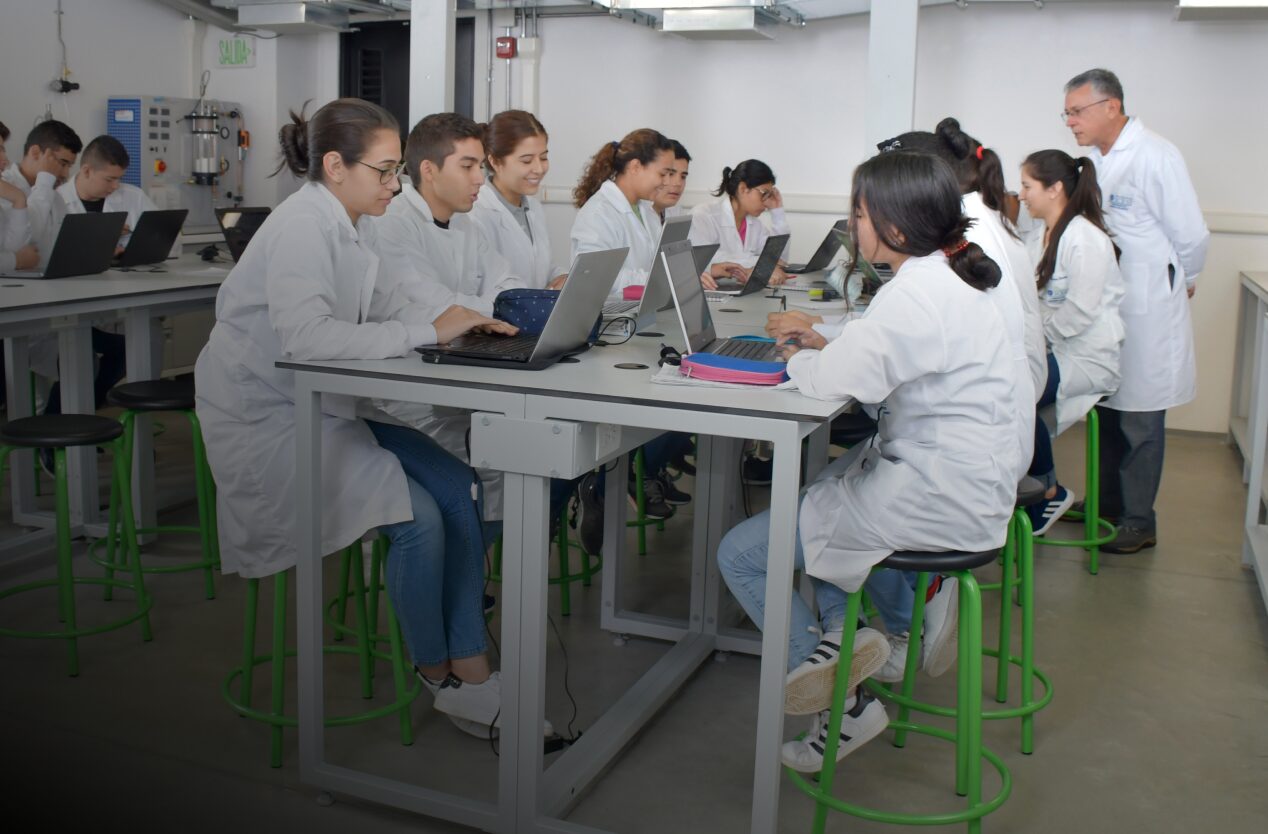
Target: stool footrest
{"type": "Point", "coordinates": [65, 634]}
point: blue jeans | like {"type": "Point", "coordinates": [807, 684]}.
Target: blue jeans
{"type": "Point", "coordinates": [435, 565]}
{"type": "Point", "coordinates": [1132, 445]}
{"type": "Point", "coordinates": [742, 559]}
{"type": "Point", "coordinates": [1042, 464]}
{"type": "Point", "coordinates": [660, 451]}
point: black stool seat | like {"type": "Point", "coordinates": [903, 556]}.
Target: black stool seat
{"type": "Point", "coordinates": [52, 431]}
{"type": "Point", "coordinates": [938, 561]}
{"type": "Point", "coordinates": [154, 395]}
{"type": "Point", "coordinates": [852, 428]}
{"type": "Point", "coordinates": [1030, 491]}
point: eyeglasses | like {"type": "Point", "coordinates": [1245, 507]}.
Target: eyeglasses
{"type": "Point", "coordinates": [765, 194]}
{"type": "Point", "coordinates": [386, 175]}
{"type": "Point", "coordinates": [1076, 112]}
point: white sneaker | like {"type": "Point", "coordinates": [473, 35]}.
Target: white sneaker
{"type": "Point", "coordinates": [859, 725]}
{"type": "Point", "coordinates": [942, 626]}
{"type": "Point", "coordinates": [808, 688]}
{"type": "Point", "coordinates": [896, 664]}
{"type": "Point", "coordinates": [478, 702]}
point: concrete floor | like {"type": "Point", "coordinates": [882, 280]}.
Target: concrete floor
{"type": "Point", "coordinates": [1158, 723]}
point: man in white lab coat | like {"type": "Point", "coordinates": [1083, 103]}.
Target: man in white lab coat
{"type": "Point", "coordinates": [99, 186]}
{"type": "Point", "coordinates": [666, 200]}
{"type": "Point", "coordinates": [1152, 210]}
{"type": "Point", "coordinates": [47, 157]}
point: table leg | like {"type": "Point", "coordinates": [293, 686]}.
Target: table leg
{"type": "Point", "coordinates": [76, 369]}
{"type": "Point", "coordinates": [308, 579]}
{"type": "Point", "coordinates": [144, 340]}
{"type": "Point", "coordinates": [770, 707]}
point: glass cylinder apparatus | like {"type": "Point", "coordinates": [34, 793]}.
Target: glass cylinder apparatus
{"type": "Point", "coordinates": [204, 124]}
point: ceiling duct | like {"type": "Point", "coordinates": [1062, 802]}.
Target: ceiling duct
{"type": "Point", "coordinates": [717, 24]}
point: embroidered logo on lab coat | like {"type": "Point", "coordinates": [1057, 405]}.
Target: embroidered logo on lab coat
{"type": "Point", "coordinates": [1120, 202]}
{"type": "Point", "coordinates": [1057, 288]}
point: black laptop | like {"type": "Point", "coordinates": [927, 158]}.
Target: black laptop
{"type": "Point", "coordinates": [85, 246]}
{"type": "Point", "coordinates": [824, 254]}
{"type": "Point", "coordinates": [758, 278]}
{"type": "Point", "coordinates": [153, 237]}
{"type": "Point", "coordinates": [239, 225]}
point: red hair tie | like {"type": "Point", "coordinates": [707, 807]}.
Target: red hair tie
{"type": "Point", "coordinates": [952, 251]}
{"type": "Point", "coordinates": [979, 153]}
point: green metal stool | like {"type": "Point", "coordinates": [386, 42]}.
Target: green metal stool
{"type": "Point", "coordinates": [641, 521]}
{"type": "Point", "coordinates": [149, 397]}
{"type": "Point", "coordinates": [591, 563]}
{"type": "Point", "coordinates": [967, 737]}
{"type": "Point", "coordinates": [1096, 530]}
{"type": "Point", "coordinates": [274, 716]}
{"type": "Point", "coordinates": [57, 432]}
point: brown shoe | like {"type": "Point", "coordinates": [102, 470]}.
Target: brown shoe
{"type": "Point", "coordinates": [1079, 507]}
{"type": "Point", "coordinates": [1131, 540]}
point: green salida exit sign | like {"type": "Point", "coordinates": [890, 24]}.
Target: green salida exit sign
{"type": "Point", "coordinates": [237, 51]}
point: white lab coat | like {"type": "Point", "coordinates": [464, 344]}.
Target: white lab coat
{"type": "Point", "coordinates": [44, 212]}
{"type": "Point", "coordinates": [714, 222]}
{"type": "Point", "coordinates": [932, 357]}
{"type": "Point", "coordinates": [1080, 318]}
{"type": "Point", "coordinates": [1153, 212]}
{"type": "Point", "coordinates": [15, 233]}
{"type": "Point", "coordinates": [304, 290]}
{"type": "Point", "coordinates": [126, 197]}
{"type": "Point", "coordinates": [457, 265]}
{"type": "Point", "coordinates": [607, 221]}
{"type": "Point", "coordinates": [529, 259]}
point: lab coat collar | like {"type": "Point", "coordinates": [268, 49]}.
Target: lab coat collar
{"type": "Point", "coordinates": [1130, 133]}
{"type": "Point", "coordinates": [615, 196]}
{"type": "Point", "coordinates": [322, 195]}
{"type": "Point", "coordinates": [413, 198]}
{"type": "Point", "coordinates": [489, 196]}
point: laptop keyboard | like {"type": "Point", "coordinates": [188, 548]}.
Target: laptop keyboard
{"type": "Point", "coordinates": [616, 308]}
{"type": "Point", "coordinates": [496, 345]}
{"type": "Point", "coordinates": [745, 349]}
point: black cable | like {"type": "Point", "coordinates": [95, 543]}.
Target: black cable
{"type": "Point", "coordinates": [748, 511]}
{"type": "Point", "coordinates": [572, 735]}
{"type": "Point", "coordinates": [629, 334]}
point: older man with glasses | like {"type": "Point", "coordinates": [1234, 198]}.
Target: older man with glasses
{"type": "Point", "coordinates": [1152, 209]}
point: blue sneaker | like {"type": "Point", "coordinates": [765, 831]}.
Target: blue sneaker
{"type": "Point", "coordinates": [1044, 514]}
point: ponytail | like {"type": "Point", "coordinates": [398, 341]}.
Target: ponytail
{"type": "Point", "coordinates": [751, 172]}
{"type": "Point", "coordinates": [344, 126]}
{"type": "Point", "coordinates": [914, 203]}
{"type": "Point", "coordinates": [978, 168]}
{"type": "Point", "coordinates": [1083, 198]}
{"type": "Point", "coordinates": [611, 160]}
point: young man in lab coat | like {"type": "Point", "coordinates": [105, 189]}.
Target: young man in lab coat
{"type": "Point", "coordinates": [426, 232]}
{"type": "Point", "coordinates": [666, 200]}
{"type": "Point", "coordinates": [47, 158]}
{"type": "Point", "coordinates": [1153, 212]}
{"type": "Point", "coordinates": [99, 186]}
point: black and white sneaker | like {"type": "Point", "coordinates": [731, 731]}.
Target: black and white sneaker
{"type": "Point", "coordinates": [808, 688]}
{"type": "Point", "coordinates": [757, 471]}
{"type": "Point", "coordinates": [863, 721]}
{"type": "Point", "coordinates": [1045, 514]}
{"type": "Point", "coordinates": [673, 495]}
{"type": "Point", "coordinates": [654, 504]}
{"type": "Point", "coordinates": [590, 527]}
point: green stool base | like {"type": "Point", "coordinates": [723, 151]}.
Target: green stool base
{"type": "Point", "coordinates": [1096, 530]}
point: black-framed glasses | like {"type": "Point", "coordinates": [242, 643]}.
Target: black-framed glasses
{"type": "Point", "coordinates": [386, 175]}
{"type": "Point", "coordinates": [1076, 112]}
{"type": "Point", "coordinates": [765, 194]}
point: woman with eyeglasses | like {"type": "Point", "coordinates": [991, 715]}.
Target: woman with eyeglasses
{"type": "Point", "coordinates": [733, 220]}
{"type": "Point", "coordinates": [310, 287]}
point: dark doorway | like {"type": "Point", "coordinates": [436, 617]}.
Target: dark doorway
{"type": "Point", "coordinates": [375, 67]}
{"type": "Point", "coordinates": [464, 67]}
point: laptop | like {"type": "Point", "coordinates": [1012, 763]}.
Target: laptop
{"type": "Point", "coordinates": [758, 278]}
{"type": "Point", "coordinates": [674, 230]}
{"type": "Point", "coordinates": [824, 254]}
{"type": "Point", "coordinates": [696, 322]}
{"type": "Point", "coordinates": [873, 274]}
{"type": "Point", "coordinates": [703, 255]}
{"type": "Point", "coordinates": [239, 225]}
{"type": "Point", "coordinates": [566, 331]}
{"type": "Point", "coordinates": [85, 246]}
{"type": "Point", "coordinates": [657, 295]}
{"type": "Point", "coordinates": [153, 237]}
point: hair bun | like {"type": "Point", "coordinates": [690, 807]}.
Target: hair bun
{"type": "Point", "coordinates": [293, 138]}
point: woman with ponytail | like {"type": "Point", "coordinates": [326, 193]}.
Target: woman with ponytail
{"type": "Point", "coordinates": [1080, 288]}
{"type": "Point", "coordinates": [615, 196]}
{"type": "Point", "coordinates": [931, 361]}
{"type": "Point", "coordinates": [733, 220]}
{"type": "Point", "coordinates": [310, 287]}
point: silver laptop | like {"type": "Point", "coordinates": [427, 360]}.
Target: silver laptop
{"type": "Point", "coordinates": [695, 320]}
{"type": "Point", "coordinates": [85, 246]}
{"type": "Point", "coordinates": [566, 331]}
{"type": "Point", "coordinates": [824, 254]}
{"type": "Point", "coordinates": [675, 229]}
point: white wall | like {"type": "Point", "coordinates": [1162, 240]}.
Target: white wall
{"type": "Point", "coordinates": [797, 103]}
{"type": "Point", "coordinates": [144, 47]}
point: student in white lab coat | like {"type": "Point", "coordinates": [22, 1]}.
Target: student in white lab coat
{"type": "Point", "coordinates": [507, 212]}
{"type": "Point", "coordinates": [666, 200]}
{"type": "Point", "coordinates": [931, 360]}
{"type": "Point", "coordinates": [47, 157]}
{"type": "Point", "coordinates": [428, 235]}
{"type": "Point", "coordinates": [733, 220]}
{"type": "Point", "coordinates": [307, 288]}
{"type": "Point", "coordinates": [614, 197]}
{"type": "Point", "coordinates": [1152, 210]}
{"type": "Point", "coordinates": [99, 186]}
{"type": "Point", "coordinates": [16, 249]}
{"type": "Point", "coordinates": [1081, 289]}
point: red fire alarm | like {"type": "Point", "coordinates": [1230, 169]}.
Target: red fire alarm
{"type": "Point", "coordinates": [506, 47]}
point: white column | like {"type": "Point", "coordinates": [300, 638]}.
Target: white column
{"type": "Point", "coordinates": [891, 70]}
{"type": "Point", "coordinates": [431, 54]}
